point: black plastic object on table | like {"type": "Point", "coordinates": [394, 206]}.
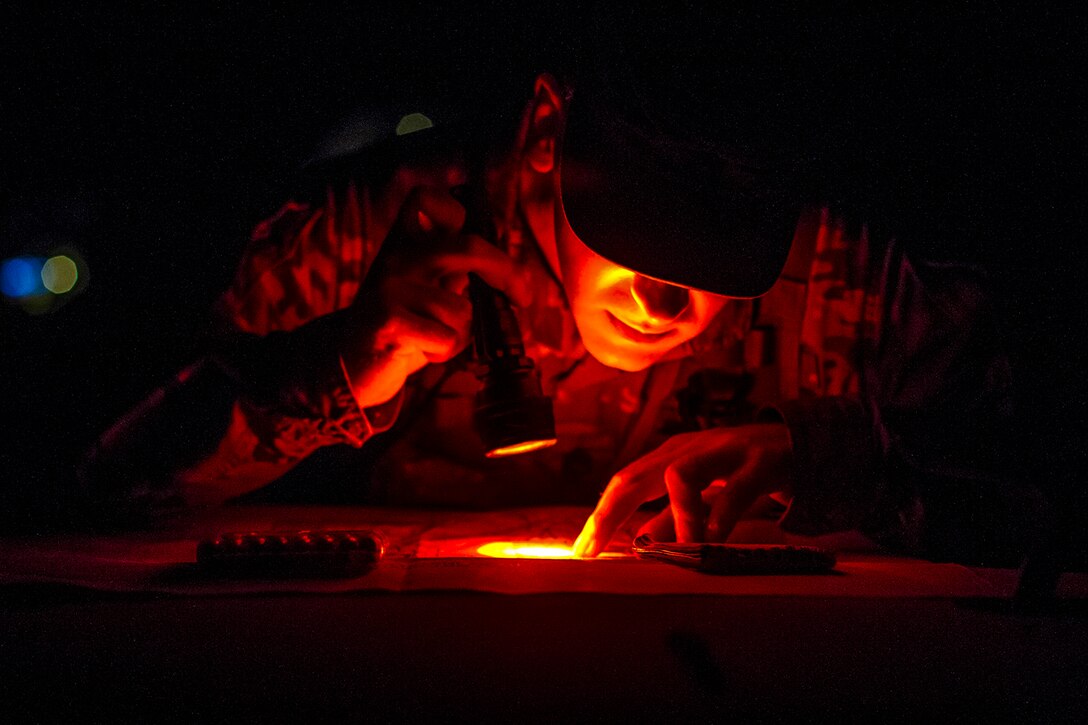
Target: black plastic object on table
{"type": "Point", "coordinates": [737, 558]}
{"type": "Point", "coordinates": [291, 554]}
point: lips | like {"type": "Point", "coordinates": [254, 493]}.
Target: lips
{"type": "Point", "coordinates": [634, 334]}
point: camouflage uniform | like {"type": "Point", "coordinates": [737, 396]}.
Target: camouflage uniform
{"type": "Point", "coordinates": [889, 375]}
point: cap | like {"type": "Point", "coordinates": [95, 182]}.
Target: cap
{"type": "Point", "coordinates": [684, 167]}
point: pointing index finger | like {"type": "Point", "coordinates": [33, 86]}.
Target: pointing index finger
{"type": "Point", "coordinates": [618, 502]}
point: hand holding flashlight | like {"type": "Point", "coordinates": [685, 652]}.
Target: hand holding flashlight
{"type": "Point", "coordinates": [511, 413]}
{"type": "Point", "coordinates": [414, 307]}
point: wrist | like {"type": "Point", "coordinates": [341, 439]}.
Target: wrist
{"type": "Point", "coordinates": [379, 406]}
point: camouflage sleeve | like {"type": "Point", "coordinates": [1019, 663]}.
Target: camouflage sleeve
{"type": "Point", "coordinates": [919, 456]}
{"type": "Point", "coordinates": [837, 480]}
{"type": "Point", "coordinates": [271, 391]}
{"type": "Point", "coordinates": [229, 424]}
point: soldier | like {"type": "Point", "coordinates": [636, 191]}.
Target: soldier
{"type": "Point", "coordinates": [708, 328]}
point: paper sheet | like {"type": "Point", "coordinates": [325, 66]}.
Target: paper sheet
{"type": "Point", "coordinates": [430, 550]}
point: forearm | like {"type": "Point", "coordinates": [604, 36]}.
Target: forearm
{"type": "Point", "coordinates": [920, 458]}
{"type": "Point", "coordinates": [232, 423]}
{"type": "Point", "coordinates": [292, 397]}
{"type": "Point", "coordinates": [134, 468]}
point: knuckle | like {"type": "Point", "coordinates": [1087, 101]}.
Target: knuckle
{"type": "Point", "coordinates": [441, 207]}
{"type": "Point", "coordinates": [680, 470]}
{"type": "Point", "coordinates": [674, 474]}
{"type": "Point", "coordinates": [455, 283]}
{"type": "Point", "coordinates": [388, 336]}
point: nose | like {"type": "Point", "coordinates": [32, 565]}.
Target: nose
{"type": "Point", "coordinates": [662, 302]}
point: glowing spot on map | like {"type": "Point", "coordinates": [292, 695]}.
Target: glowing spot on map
{"type": "Point", "coordinates": [525, 550]}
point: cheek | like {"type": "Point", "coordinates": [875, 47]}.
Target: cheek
{"type": "Point", "coordinates": [707, 306]}
{"type": "Point", "coordinates": [596, 282]}
{"type": "Point", "coordinates": [577, 268]}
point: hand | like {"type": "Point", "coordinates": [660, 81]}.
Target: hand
{"type": "Point", "coordinates": [711, 477]}
{"type": "Point", "coordinates": [413, 309]}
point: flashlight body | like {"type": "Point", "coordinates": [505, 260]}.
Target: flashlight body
{"type": "Point", "coordinates": [511, 413]}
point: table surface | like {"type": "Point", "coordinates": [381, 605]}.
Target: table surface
{"type": "Point", "coordinates": [437, 550]}
{"type": "Point", "coordinates": [127, 626]}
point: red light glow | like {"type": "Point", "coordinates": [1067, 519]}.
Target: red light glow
{"type": "Point", "coordinates": [525, 550]}
{"type": "Point", "coordinates": [521, 448]}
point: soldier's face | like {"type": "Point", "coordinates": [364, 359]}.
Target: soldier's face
{"type": "Point", "coordinates": [626, 320]}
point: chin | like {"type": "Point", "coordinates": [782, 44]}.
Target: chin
{"type": "Point", "coordinates": [619, 359]}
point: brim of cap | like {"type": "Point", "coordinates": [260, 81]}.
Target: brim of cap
{"type": "Point", "coordinates": [672, 210]}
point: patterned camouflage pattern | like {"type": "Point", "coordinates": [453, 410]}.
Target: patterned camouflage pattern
{"type": "Point", "coordinates": [868, 358]}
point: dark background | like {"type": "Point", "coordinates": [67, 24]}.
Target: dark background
{"type": "Point", "coordinates": [153, 141]}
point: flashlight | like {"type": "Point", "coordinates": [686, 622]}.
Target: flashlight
{"type": "Point", "coordinates": [512, 415]}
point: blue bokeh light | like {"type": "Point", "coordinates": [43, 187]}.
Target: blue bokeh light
{"type": "Point", "coordinates": [22, 277]}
